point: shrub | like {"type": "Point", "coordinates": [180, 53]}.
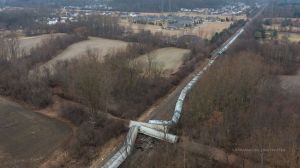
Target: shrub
{"type": "Point", "coordinates": [75, 113]}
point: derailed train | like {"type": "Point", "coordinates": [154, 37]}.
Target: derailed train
{"type": "Point", "coordinates": [157, 125]}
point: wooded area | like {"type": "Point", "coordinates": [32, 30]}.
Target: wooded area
{"type": "Point", "coordinates": [238, 115]}
{"type": "Point", "coordinates": [18, 70]}
{"type": "Point", "coordinates": [103, 93]}
{"type": "Point", "coordinates": [238, 109]}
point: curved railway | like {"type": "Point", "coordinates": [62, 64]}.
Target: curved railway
{"type": "Point", "coordinates": [126, 149]}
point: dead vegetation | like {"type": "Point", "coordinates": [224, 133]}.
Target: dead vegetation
{"type": "Point", "coordinates": [169, 60]}
{"type": "Point", "coordinates": [27, 43]}
{"type": "Point", "coordinates": [105, 91]}
{"type": "Point", "coordinates": [16, 80]}
{"type": "Point", "coordinates": [205, 30]}
{"type": "Point", "coordinates": [239, 111]}
{"type": "Point", "coordinates": [77, 50]}
{"type": "Point", "coordinates": [107, 85]}
{"type": "Point", "coordinates": [232, 115]}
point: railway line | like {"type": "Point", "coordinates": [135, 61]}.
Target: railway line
{"type": "Point", "coordinates": [158, 128]}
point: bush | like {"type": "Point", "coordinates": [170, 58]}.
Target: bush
{"type": "Point", "coordinates": [89, 137]}
{"type": "Point", "coordinates": [75, 113]}
{"type": "Point", "coordinates": [19, 76]}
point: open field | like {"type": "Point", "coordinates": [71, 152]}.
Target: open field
{"type": "Point", "coordinates": [208, 29]}
{"type": "Point", "coordinates": [27, 138]}
{"type": "Point", "coordinates": [276, 24]}
{"type": "Point", "coordinates": [205, 30]}
{"type": "Point", "coordinates": [104, 46]}
{"type": "Point", "coordinates": [26, 43]}
{"type": "Point", "coordinates": [136, 28]}
{"type": "Point", "coordinates": [168, 59]}
{"type": "Point", "coordinates": [293, 37]}
{"type": "Point", "coordinates": [291, 83]}
{"type": "Point", "coordinates": [278, 27]}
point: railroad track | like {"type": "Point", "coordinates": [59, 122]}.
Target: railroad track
{"type": "Point", "coordinates": [159, 128]}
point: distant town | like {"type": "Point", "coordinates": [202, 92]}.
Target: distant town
{"type": "Point", "coordinates": [170, 20]}
{"type": "Point", "coordinates": [184, 18]}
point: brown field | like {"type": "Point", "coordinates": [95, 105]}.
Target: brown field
{"type": "Point", "coordinates": [168, 59]}
{"type": "Point", "coordinates": [291, 83]}
{"type": "Point", "coordinates": [76, 50]}
{"type": "Point", "coordinates": [205, 30]}
{"type": "Point", "coordinates": [276, 25]}
{"type": "Point", "coordinates": [280, 19]}
{"type": "Point", "coordinates": [27, 138]}
{"type": "Point", "coordinates": [208, 29]}
{"type": "Point", "coordinates": [293, 37]}
{"type": "Point", "coordinates": [26, 43]}
{"type": "Point", "coordinates": [136, 28]}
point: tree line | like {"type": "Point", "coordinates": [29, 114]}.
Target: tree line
{"type": "Point", "coordinates": [117, 86]}
{"type": "Point", "coordinates": [17, 66]}
{"type": "Point", "coordinates": [240, 108]}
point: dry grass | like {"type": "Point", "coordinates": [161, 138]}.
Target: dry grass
{"type": "Point", "coordinates": [136, 28]}
{"type": "Point", "coordinates": [205, 30]}
{"type": "Point", "coordinates": [208, 29]}
{"type": "Point", "coordinates": [291, 83]}
{"type": "Point", "coordinates": [278, 27]}
{"type": "Point", "coordinates": [76, 50]}
{"type": "Point", "coordinates": [27, 138]}
{"type": "Point", "coordinates": [168, 59]}
{"type": "Point", "coordinates": [26, 43]}
{"type": "Point", "coordinates": [293, 37]}
{"type": "Point", "coordinates": [106, 150]}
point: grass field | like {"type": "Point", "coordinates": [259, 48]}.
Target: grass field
{"type": "Point", "coordinates": [76, 50]}
{"type": "Point", "coordinates": [208, 29]}
{"type": "Point", "coordinates": [168, 59]}
{"type": "Point", "coordinates": [291, 83]}
{"type": "Point", "coordinates": [280, 28]}
{"type": "Point", "coordinates": [27, 138]}
{"type": "Point", "coordinates": [205, 30]}
{"type": "Point", "coordinates": [293, 37]}
{"type": "Point", "coordinates": [26, 43]}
